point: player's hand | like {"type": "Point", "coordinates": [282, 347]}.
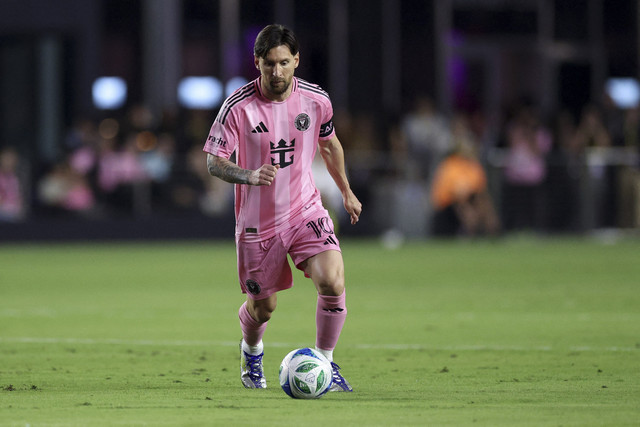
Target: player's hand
{"type": "Point", "coordinates": [353, 207]}
{"type": "Point", "coordinates": [263, 175]}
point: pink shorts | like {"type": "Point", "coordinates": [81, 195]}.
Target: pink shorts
{"type": "Point", "coordinates": [263, 267]}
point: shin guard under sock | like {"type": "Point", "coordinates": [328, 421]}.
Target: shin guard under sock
{"type": "Point", "coordinates": [331, 313]}
{"type": "Point", "coordinates": [252, 331]}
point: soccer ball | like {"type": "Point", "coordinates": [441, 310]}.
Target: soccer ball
{"type": "Point", "coordinates": [305, 374]}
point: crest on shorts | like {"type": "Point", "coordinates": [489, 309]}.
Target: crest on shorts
{"type": "Point", "coordinates": [252, 286]}
{"type": "Point", "coordinates": [302, 122]}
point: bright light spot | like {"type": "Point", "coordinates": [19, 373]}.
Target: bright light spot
{"type": "Point", "coordinates": [200, 92]}
{"type": "Point", "coordinates": [625, 92]}
{"type": "Point", "coordinates": [234, 83]}
{"type": "Point", "coordinates": [109, 93]}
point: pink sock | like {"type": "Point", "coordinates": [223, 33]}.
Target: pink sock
{"type": "Point", "coordinates": [252, 331]}
{"type": "Point", "coordinates": [331, 313]}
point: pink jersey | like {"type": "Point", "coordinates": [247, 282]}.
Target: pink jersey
{"type": "Point", "coordinates": [284, 133]}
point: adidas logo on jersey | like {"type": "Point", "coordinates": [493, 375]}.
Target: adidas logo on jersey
{"type": "Point", "coordinates": [330, 241]}
{"type": "Point", "coordinates": [261, 128]}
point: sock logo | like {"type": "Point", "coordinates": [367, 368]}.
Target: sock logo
{"type": "Point", "coordinates": [334, 310]}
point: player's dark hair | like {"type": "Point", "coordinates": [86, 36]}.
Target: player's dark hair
{"type": "Point", "coordinates": [274, 35]}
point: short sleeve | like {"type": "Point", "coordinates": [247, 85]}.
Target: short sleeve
{"type": "Point", "coordinates": [222, 138]}
{"type": "Point", "coordinates": [327, 131]}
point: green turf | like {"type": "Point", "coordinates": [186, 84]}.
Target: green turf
{"type": "Point", "coordinates": [522, 331]}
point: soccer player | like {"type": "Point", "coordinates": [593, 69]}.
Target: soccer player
{"type": "Point", "coordinates": [274, 125]}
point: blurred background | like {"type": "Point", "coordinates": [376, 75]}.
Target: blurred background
{"type": "Point", "coordinates": [458, 117]}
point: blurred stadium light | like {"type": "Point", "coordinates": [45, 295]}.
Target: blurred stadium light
{"type": "Point", "coordinates": [200, 92]}
{"type": "Point", "coordinates": [625, 92]}
{"type": "Point", "coordinates": [233, 84]}
{"type": "Point", "coordinates": [477, 57]}
{"type": "Point", "coordinates": [109, 93]}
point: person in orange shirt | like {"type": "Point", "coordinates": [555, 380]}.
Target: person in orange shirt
{"type": "Point", "coordinates": [462, 204]}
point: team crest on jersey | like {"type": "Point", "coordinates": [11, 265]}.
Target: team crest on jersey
{"type": "Point", "coordinates": [253, 286]}
{"type": "Point", "coordinates": [302, 122]}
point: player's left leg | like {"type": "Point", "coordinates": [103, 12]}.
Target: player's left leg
{"type": "Point", "coordinates": [326, 270]}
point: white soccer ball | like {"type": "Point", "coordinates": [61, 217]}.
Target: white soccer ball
{"type": "Point", "coordinates": [305, 374]}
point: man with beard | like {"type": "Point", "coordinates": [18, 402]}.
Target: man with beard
{"type": "Point", "coordinates": [274, 125]}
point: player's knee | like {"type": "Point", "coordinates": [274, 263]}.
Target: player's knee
{"type": "Point", "coordinates": [263, 316]}
{"type": "Point", "coordinates": [331, 283]}
{"type": "Point", "coordinates": [262, 311]}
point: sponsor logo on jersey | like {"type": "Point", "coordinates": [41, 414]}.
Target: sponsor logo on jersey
{"type": "Point", "coordinates": [282, 151]}
{"type": "Point", "coordinates": [218, 141]}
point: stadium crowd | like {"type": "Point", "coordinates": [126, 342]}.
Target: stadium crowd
{"type": "Point", "coordinates": [135, 165]}
{"type": "Point", "coordinates": [471, 179]}
{"type": "Point", "coordinates": [571, 172]}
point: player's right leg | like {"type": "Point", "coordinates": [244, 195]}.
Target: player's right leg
{"type": "Point", "coordinates": [254, 315]}
{"type": "Point", "coordinates": [263, 270]}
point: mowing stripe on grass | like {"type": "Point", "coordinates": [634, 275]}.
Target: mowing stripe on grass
{"type": "Point", "coordinates": [195, 343]}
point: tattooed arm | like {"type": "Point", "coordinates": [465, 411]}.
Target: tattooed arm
{"type": "Point", "coordinates": [228, 171]}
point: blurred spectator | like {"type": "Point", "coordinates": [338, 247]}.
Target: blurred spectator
{"type": "Point", "coordinates": [593, 138]}
{"type": "Point", "coordinates": [195, 190]}
{"type": "Point", "coordinates": [12, 206]}
{"type": "Point", "coordinates": [140, 118]}
{"type": "Point", "coordinates": [107, 166]}
{"type": "Point", "coordinates": [82, 133]}
{"type": "Point", "coordinates": [613, 118]}
{"type": "Point", "coordinates": [83, 157]}
{"type": "Point", "coordinates": [564, 168]}
{"type": "Point", "coordinates": [119, 172]}
{"type": "Point", "coordinates": [67, 191]}
{"type": "Point", "coordinates": [631, 129]}
{"type": "Point", "coordinates": [188, 185]}
{"type": "Point", "coordinates": [459, 191]}
{"type": "Point", "coordinates": [592, 131]}
{"type": "Point", "coordinates": [528, 143]}
{"type": "Point", "coordinates": [158, 163]}
{"type": "Point", "coordinates": [196, 124]}
{"type": "Point", "coordinates": [425, 139]}
{"type": "Point", "coordinates": [629, 175]}
{"type": "Point", "coordinates": [131, 169]}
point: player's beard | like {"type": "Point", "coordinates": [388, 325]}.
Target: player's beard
{"type": "Point", "coordinates": [279, 89]}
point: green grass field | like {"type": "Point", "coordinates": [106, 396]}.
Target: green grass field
{"type": "Point", "coordinates": [522, 331]}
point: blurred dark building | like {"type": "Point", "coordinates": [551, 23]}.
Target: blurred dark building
{"type": "Point", "coordinates": [375, 57]}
